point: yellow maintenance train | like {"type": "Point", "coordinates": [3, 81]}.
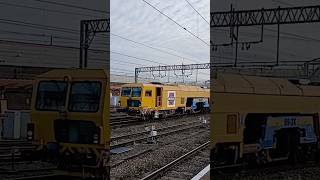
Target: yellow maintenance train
{"type": "Point", "coordinates": [156, 100]}
{"type": "Point", "coordinates": [263, 119]}
{"type": "Point", "coordinates": [70, 119]}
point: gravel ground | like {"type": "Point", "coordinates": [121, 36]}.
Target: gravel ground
{"type": "Point", "coordinates": [285, 173]}
{"type": "Point", "coordinates": [25, 167]}
{"type": "Point", "coordinates": [136, 149]}
{"type": "Point", "coordinates": [142, 148]}
{"type": "Point", "coordinates": [149, 156]}
{"type": "Point", "coordinates": [300, 174]}
{"type": "Point", "coordinates": [190, 167]}
{"type": "Point", "coordinates": [168, 149]}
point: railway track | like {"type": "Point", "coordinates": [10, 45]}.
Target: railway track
{"type": "Point", "coordinates": [14, 143]}
{"type": "Point", "coordinates": [10, 151]}
{"type": "Point", "coordinates": [141, 158]}
{"type": "Point", "coordinates": [27, 171]}
{"type": "Point", "coordinates": [279, 169]}
{"type": "Point", "coordinates": [125, 122]}
{"type": "Point", "coordinates": [282, 170]}
{"type": "Point", "coordinates": [122, 119]}
{"type": "Point", "coordinates": [159, 172]}
{"type": "Point", "coordinates": [114, 138]}
{"type": "Point", "coordinates": [141, 153]}
{"type": "Point", "coordinates": [41, 177]}
{"type": "Point", "coordinates": [140, 139]}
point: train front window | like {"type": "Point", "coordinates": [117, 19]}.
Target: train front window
{"type": "Point", "coordinates": [136, 92]}
{"type": "Point", "coordinates": [126, 91]}
{"type": "Point", "coordinates": [51, 95]}
{"type": "Point", "coordinates": [85, 97]}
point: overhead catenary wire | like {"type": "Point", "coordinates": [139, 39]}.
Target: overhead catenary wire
{"type": "Point", "coordinates": [118, 53]}
{"type": "Point", "coordinates": [76, 39]}
{"type": "Point", "coordinates": [47, 28]}
{"type": "Point", "coordinates": [154, 48]}
{"type": "Point", "coordinates": [37, 26]}
{"type": "Point", "coordinates": [72, 6]}
{"type": "Point", "coordinates": [37, 35]}
{"type": "Point", "coordinates": [197, 37]}
{"type": "Point", "coordinates": [48, 10]}
{"type": "Point", "coordinates": [72, 39]}
{"type": "Point", "coordinates": [93, 59]}
{"type": "Point", "coordinates": [197, 12]}
{"type": "Point", "coordinates": [155, 61]}
{"type": "Point", "coordinates": [72, 31]}
{"type": "Point", "coordinates": [139, 58]}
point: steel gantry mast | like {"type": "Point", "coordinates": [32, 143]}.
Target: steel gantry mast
{"type": "Point", "coordinates": [88, 30]}
{"type": "Point", "coordinates": [273, 16]}
{"type": "Point", "coordinates": [308, 67]}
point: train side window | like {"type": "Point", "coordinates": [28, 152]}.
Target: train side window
{"type": "Point", "coordinates": [148, 93]}
{"type": "Point", "coordinates": [182, 100]}
{"type": "Point", "coordinates": [232, 124]}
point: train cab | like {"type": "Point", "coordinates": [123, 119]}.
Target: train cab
{"type": "Point", "coordinates": [70, 116]}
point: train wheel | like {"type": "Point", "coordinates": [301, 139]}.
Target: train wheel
{"type": "Point", "coordinates": [295, 150]}
{"type": "Point", "coordinates": [227, 154]}
{"type": "Point", "coordinates": [103, 173]}
{"type": "Point", "coordinates": [309, 152]}
{"type": "Point", "coordinates": [63, 162]}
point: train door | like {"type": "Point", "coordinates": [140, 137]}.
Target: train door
{"type": "Point", "coordinates": [158, 96]}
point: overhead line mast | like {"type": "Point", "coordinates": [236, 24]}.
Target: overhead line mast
{"type": "Point", "coordinates": [274, 16]}
{"type": "Point", "coordinates": [88, 30]}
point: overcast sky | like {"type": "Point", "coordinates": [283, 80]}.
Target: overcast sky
{"type": "Point", "coordinates": [133, 20]}
{"type": "Point", "coordinates": [138, 21]}
{"type": "Point", "coordinates": [158, 40]}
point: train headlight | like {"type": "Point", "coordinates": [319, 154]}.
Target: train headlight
{"type": "Point", "coordinates": [30, 132]}
{"type": "Point", "coordinates": [30, 135]}
{"type": "Point", "coordinates": [95, 138]}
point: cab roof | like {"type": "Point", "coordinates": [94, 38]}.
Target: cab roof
{"type": "Point", "coordinates": [235, 83]}
{"type": "Point", "coordinates": [173, 86]}
{"type": "Point", "coordinates": [74, 73]}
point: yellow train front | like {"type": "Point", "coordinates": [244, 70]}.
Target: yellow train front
{"type": "Point", "coordinates": [155, 100]}
{"type": "Point", "coordinates": [70, 119]}
{"type": "Point", "coordinates": [258, 120]}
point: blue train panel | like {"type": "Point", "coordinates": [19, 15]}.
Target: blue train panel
{"type": "Point", "coordinates": [274, 124]}
{"type": "Point", "coordinates": [199, 104]}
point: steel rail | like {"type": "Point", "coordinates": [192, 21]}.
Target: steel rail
{"type": "Point", "coordinates": [116, 145]}
{"type": "Point", "coordinates": [165, 168]}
